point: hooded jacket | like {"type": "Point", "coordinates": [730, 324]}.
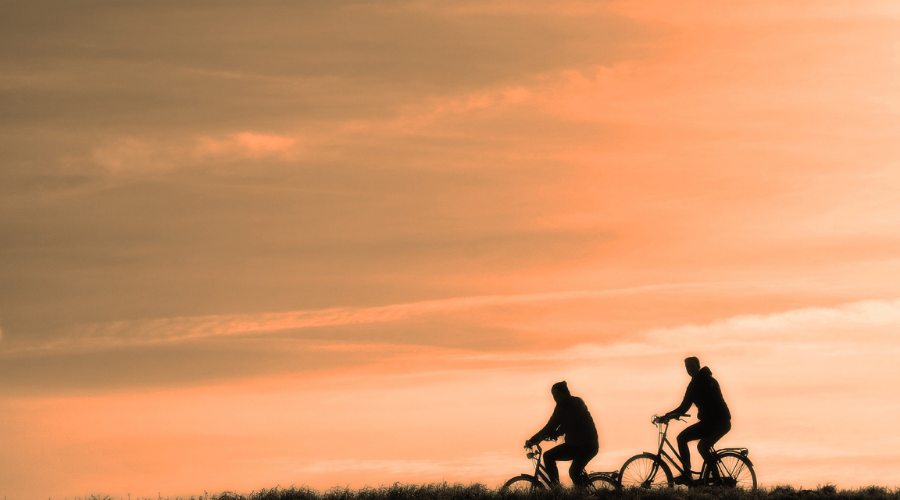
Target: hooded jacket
{"type": "Point", "coordinates": [704, 392]}
{"type": "Point", "coordinates": [572, 419]}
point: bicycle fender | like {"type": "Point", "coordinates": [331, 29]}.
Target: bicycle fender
{"type": "Point", "coordinates": [613, 474]}
{"type": "Point", "coordinates": [734, 454]}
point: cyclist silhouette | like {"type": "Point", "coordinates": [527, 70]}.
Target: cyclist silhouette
{"type": "Point", "coordinates": [572, 419]}
{"type": "Point", "coordinates": [712, 413]}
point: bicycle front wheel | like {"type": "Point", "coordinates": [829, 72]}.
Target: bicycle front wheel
{"type": "Point", "coordinates": [735, 471]}
{"type": "Point", "coordinates": [600, 481]}
{"type": "Point", "coordinates": [645, 471]}
{"type": "Point", "coordinates": [523, 483]}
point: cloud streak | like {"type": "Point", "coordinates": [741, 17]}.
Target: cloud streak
{"type": "Point", "coordinates": [120, 334]}
{"type": "Point", "coordinates": [865, 321]}
{"type": "Point", "coordinates": [867, 325]}
{"type": "Point", "coordinates": [868, 322]}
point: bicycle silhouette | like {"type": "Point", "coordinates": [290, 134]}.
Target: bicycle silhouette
{"type": "Point", "coordinates": [538, 481]}
{"type": "Point", "coordinates": [651, 470]}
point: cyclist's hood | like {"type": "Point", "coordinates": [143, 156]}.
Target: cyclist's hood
{"type": "Point", "coordinates": [560, 391]}
{"type": "Point", "coordinates": [704, 372]}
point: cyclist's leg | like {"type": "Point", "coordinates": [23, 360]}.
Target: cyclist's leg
{"type": "Point", "coordinates": [580, 459]}
{"type": "Point", "coordinates": [690, 433]}
{"type": "Point", "coordinates": [558, 453]}
{"type": "Point", "coordinates": [715, 431]}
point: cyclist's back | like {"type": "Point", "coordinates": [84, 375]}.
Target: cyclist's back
{"type": "Point", "coordinates": [572, 419]}
{"type": "Point", "coordinates": [704, 392]}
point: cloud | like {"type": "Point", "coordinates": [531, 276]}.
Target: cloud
{"type": "Point", "coordinates": [870, 321]}
{"type": "Point", "coordinates": [259, 61]}
{"type": "Point", "coordinates": [250, 145]}
{"type": "Point", "coordinates": [865, 326]}
{"type": "Point", "coordinates": [150, 155]}
{"type": "Point", "coordinates": [110, 335]}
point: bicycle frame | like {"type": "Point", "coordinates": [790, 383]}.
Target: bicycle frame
{"type": "Point", "coordinates": [731, 467]}
{"type": "Point", "coordinates": [662, 453]}
{"type": "Point", "coordinates": [540, 472]}
{"type": "Point", "coordinates": [663, 441]}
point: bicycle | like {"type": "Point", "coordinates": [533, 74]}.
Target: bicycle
{"type": "Point", "coordinates": [595, 481]}
{"type": "Point", "coordinates": [650, 470]}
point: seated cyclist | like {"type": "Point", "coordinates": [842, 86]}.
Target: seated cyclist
{"type": "Point", "coordinates": [712, 413]}
{"type": "Point", "coordinates": [571, 419]}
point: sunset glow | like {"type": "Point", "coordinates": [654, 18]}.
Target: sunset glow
{"type": "Point", "coordinates": [354, 243]}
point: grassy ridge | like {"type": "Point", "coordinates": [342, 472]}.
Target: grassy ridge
{"type": "Point", "coordinates": [480, 492]}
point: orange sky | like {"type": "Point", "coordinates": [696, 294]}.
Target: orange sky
{"type": "Point", "coordinates": [355, 243]}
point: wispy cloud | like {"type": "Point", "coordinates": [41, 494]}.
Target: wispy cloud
{"type": "Point", "coordinates": [150, 155]}
{"type": "Point", "coordinates": [250, 144]}
{"type": "Point", "coordinates": [864, 321]}
{"type": "Point", "coordinates": [865, 324]}
{"type": "Point", "coordinates": [166, 330]}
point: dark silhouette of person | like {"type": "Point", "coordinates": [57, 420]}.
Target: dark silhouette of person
{"type": "Point", "coordinates": [712, 413]}
{"type": "Point", "coordinates": [571, 419]}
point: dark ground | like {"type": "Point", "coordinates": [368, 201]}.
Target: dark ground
{"type": "Point", "coordinates": [480, 492]}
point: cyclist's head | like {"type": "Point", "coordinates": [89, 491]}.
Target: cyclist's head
{"type": "Point", "coordinates": [560, 390]}
{"type": "Point", "coordinates": [692, 364]}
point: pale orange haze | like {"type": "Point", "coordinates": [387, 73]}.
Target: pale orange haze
{"type": "Point", "coordinates": [250, 244]}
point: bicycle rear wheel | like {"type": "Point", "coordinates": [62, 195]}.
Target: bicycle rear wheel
{"type": "Point", "coordinates": [735, 471]}
{"type": "Point", "coordinates": [523, 483]}
{"type": "Point", "coordinates": [645, 471]}
{"type": "Point", "coordinates": [600, 481]}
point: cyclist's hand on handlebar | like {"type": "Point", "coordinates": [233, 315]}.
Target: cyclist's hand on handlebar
{"type": "Point", "coordinates": [664, 419]}
{"type": "Point", "coordinates": [673, 416]}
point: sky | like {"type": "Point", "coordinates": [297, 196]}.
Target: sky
{"type": "Point", "coordinates": [350, 243]}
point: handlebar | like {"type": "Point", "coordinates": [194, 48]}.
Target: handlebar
{"type": "Point", "coordinates": [538, 451]}
{"type": "Point", "coordinates": [656, 419]}
{"type": "Point", "coordinates": [535, 454]}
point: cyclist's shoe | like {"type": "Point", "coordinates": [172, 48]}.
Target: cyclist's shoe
{"type": "Point", "coordinates": [582, 480]}
{"type": "Point", "coordinates": [683, 479]}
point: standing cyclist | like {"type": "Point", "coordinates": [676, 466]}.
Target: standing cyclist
{"type": "Point", "coordinates": [572, 419]}
{"type": "Point", "coordinates": [712, 413]}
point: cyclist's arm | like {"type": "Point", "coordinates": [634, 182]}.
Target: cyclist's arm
{"type": "Point", "coordinates": [551, 429]}
{"type": "Point", "coordinates": [685, 403]}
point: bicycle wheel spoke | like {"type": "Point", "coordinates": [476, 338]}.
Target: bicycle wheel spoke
{"type": "Point", "coordinates": [736, 472]}
{"type": "Point", "coordinates": [643, 472]}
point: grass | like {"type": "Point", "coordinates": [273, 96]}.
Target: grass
{"type": "Point", "coordinates": [481, 492]}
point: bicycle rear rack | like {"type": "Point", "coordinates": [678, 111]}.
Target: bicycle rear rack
{"type": "Point", "coordinates": [741, 451]}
